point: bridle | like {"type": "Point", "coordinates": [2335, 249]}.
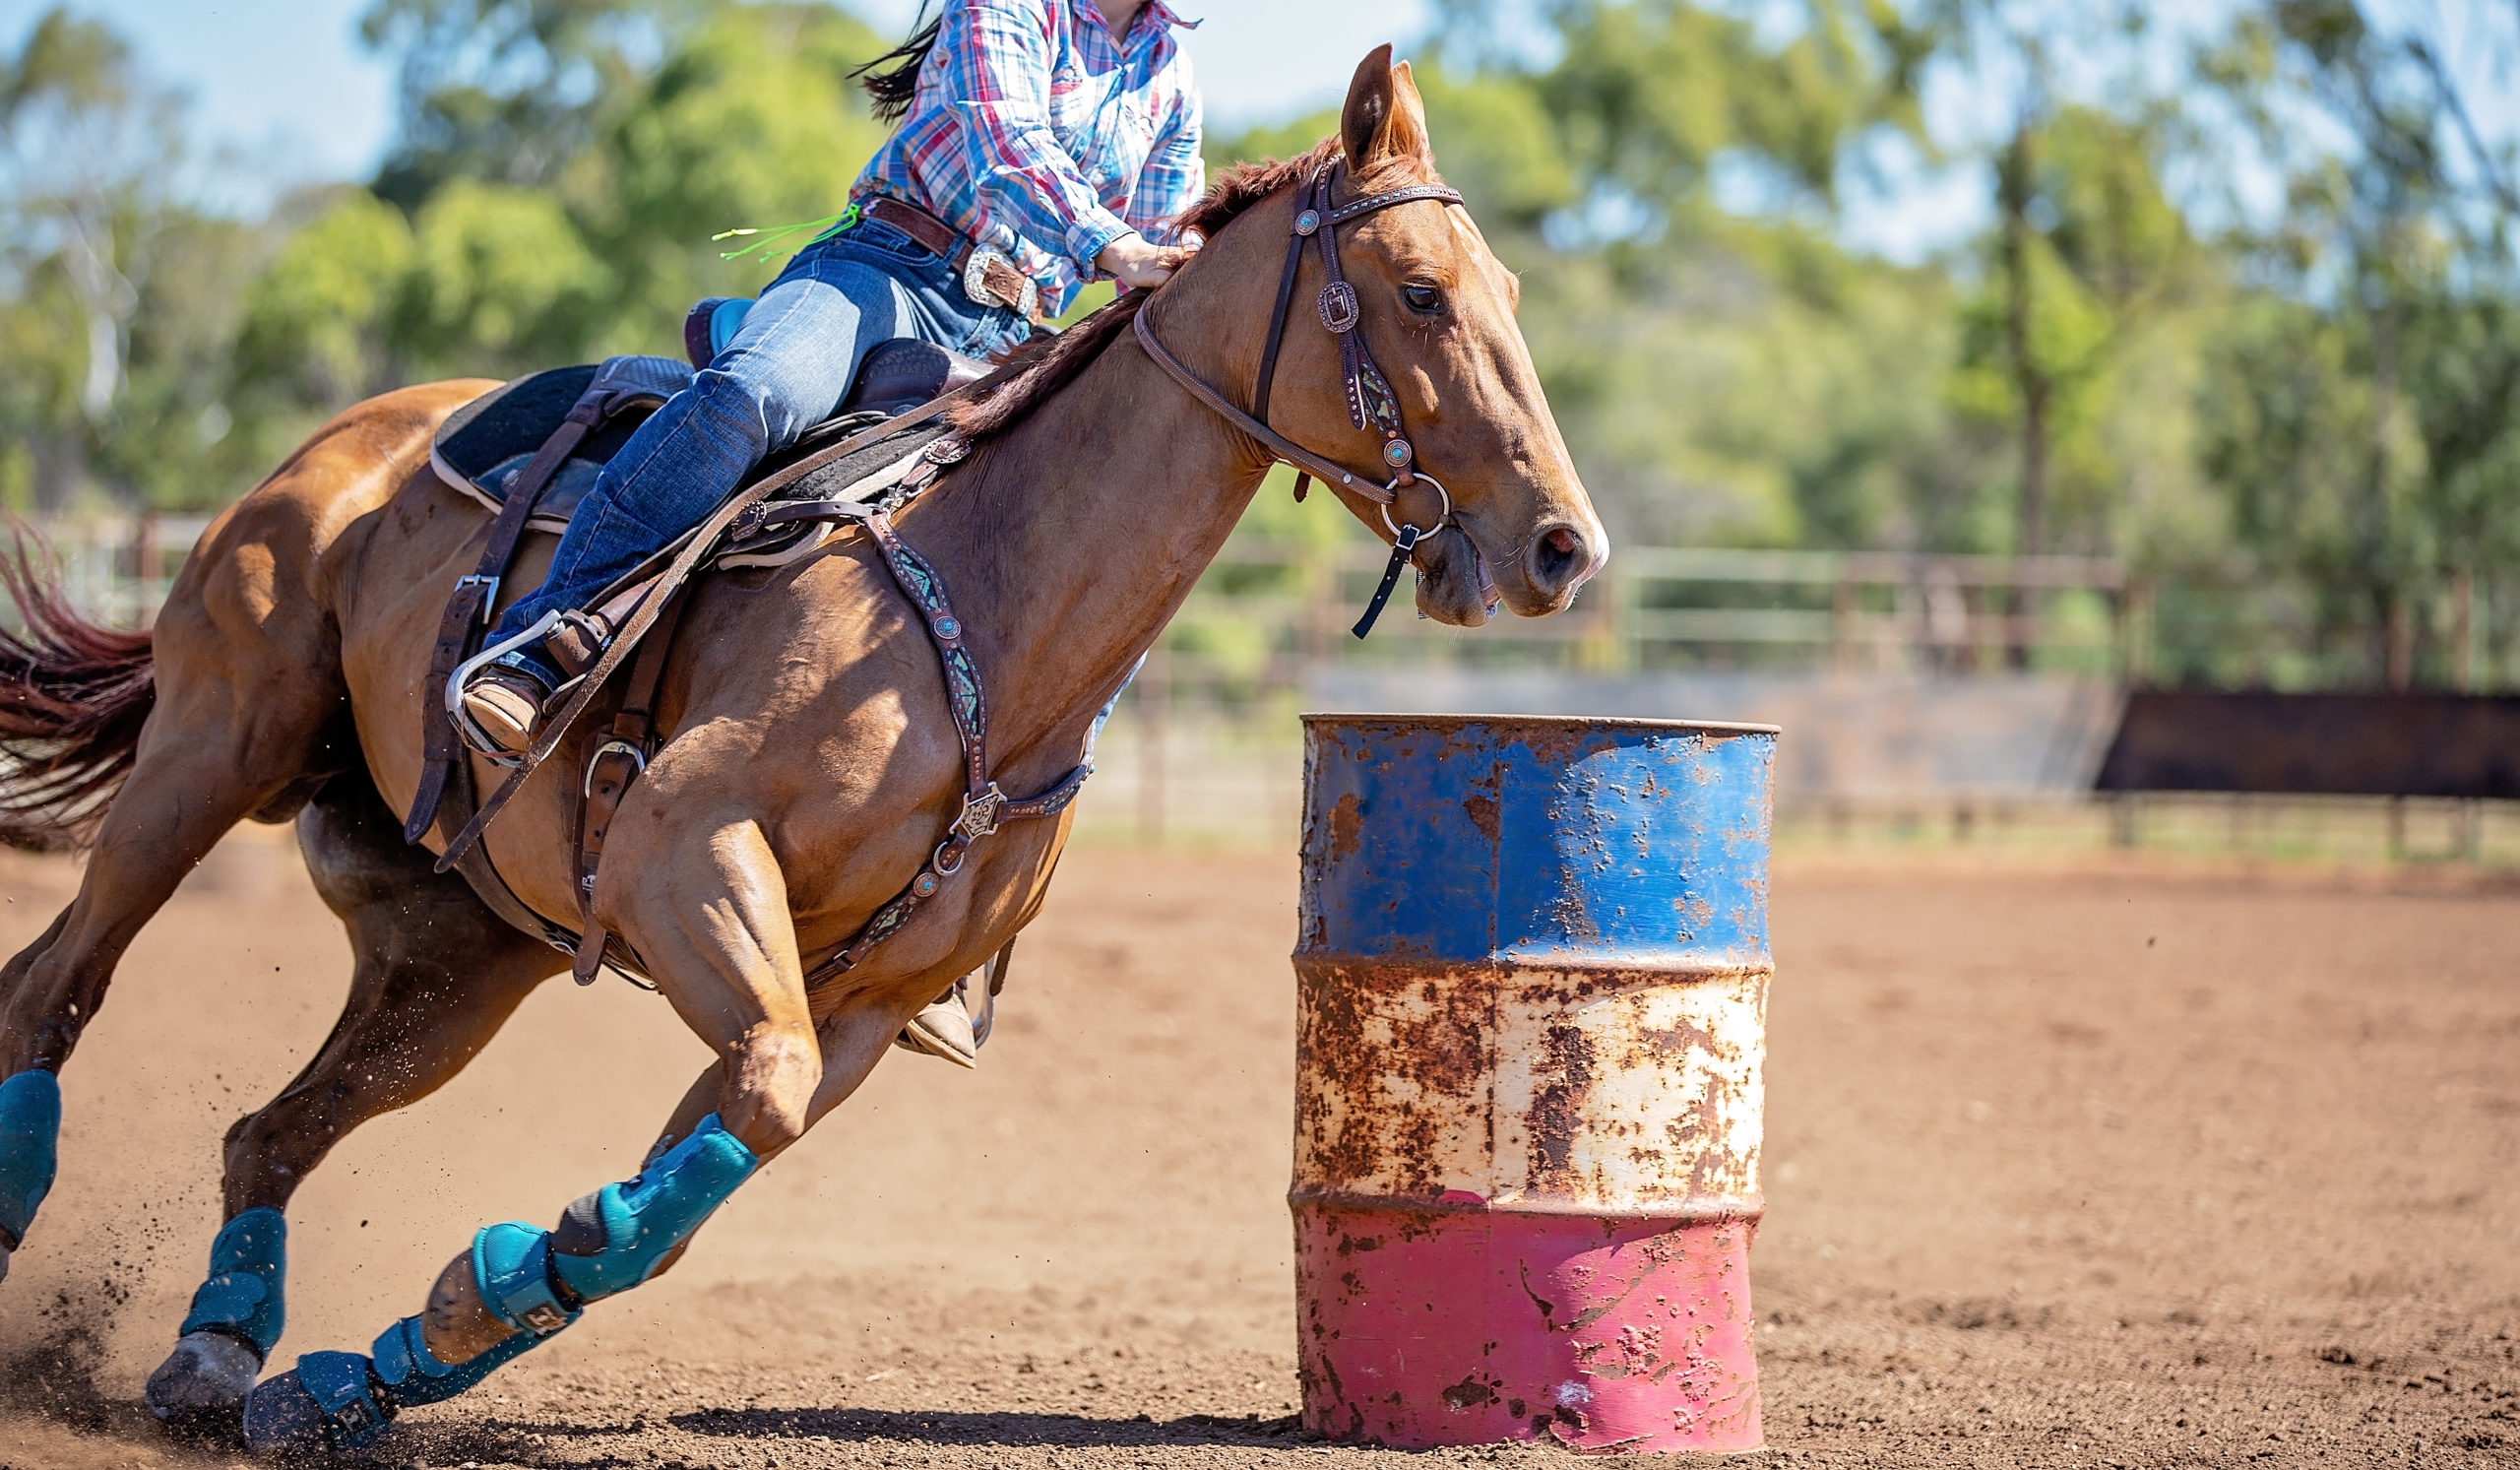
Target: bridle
{"type": "Point", "coordinates": [1370, 401]}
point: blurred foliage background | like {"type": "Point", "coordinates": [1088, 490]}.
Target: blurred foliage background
{"type": "Point", "coordinates": [2243, 314]}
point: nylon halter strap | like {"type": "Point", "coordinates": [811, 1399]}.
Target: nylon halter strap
{"type": "Point", "coordinates": [1372, 404]}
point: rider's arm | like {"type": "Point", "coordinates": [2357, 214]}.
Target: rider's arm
{"type": "Point", "coordinates": [997, 56]}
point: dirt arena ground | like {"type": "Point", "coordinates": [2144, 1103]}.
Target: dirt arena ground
{"type": "Point", "coordinates": [2116, 1166]}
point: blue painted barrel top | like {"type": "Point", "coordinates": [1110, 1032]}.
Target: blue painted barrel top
{"type": "Point", "coordinates": [1537, 840]}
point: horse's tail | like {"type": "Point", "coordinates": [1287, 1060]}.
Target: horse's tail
{"type": "Point", "coordinates": [73, 697]}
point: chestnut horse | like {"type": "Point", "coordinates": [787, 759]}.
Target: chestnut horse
{"type": "Point", "coordinates": [812, 766]}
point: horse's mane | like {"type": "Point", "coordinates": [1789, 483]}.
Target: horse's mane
{"type": "Point", "coordinates": [1072, 352]}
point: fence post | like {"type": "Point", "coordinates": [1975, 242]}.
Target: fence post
{"type": "Point", "coordinates": [2135, 633]}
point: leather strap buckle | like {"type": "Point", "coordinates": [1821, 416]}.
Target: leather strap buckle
{"type": "Point", "coordinates": [489, 592]}
{"type": "Point", "coordinates": [638, 764]}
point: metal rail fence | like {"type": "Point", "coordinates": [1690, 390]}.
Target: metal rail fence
{"type": "Point", "coordinates": [1207, 747]}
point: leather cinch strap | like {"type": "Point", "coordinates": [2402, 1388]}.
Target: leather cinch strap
{"type": "Point", "coordinates": [620, 760]}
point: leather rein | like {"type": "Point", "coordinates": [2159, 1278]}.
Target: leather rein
{"type": "Point", "coordinates": [1372, 404]}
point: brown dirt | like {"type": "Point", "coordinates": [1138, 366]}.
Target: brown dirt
{"type": "Point", "coordinates": [2099, 1168]}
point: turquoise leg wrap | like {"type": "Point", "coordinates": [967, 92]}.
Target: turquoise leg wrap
{"type": "Point", "coordinates": [30, 1149]}
{"type": "Point", "coordinates": [512, 1267]}
{"type": "Point", "coordinates": [242, 1296]}
{"type": "Point", "coordinates": [412, 1376]}
{"type": "Point", "coordinates": [533, 1278]}
{"type": "Point", "coordinates": [611, 1241]}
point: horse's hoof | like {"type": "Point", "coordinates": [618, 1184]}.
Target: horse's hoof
{"type": "Point", "coordinates": [281, 1417]}
{"type": "Point", "coordinates": [207, 1376]}
{"type": "Point", "coordinates": [325, 1402]}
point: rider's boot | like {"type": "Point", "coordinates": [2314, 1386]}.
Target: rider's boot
{"type": "Point", "coordinates": [504, 704]}
{"type": "Point", "coordinates": [957, 1024]}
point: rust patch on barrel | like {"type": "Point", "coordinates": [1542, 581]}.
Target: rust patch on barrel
{"type": "Point", "coordinates": [1347, 825]}
{"type": "Point", "coordinates": [1395, 1058]}
{"type": "Point", "coordinates": [1557, 1110]}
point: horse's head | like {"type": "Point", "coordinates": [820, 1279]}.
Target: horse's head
{"type": "Point", "coordinates": [1436, 310]}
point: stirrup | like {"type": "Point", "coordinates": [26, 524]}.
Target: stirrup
{"type": "Point", "coordinates": [472, 735]}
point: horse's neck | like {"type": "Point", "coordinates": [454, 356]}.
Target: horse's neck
{"type": "Point", "coordinates": [1088, 525]}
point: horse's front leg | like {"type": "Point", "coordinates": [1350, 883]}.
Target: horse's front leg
{"type": "Point", "coordinates": [712, 923]}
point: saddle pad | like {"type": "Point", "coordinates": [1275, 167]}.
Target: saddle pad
{"type": "Point", "coordinates": [483, 445]}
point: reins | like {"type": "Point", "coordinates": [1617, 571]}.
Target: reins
{"type": "Point", "coordinates": [1372, 404]}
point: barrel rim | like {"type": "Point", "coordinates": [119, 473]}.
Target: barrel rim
{"type": "Point", "coordinates": [1729, 726]}
{"type": "Point", "coordinates": [1688, 1209]}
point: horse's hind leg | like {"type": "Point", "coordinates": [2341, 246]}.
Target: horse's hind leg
{"type": "Point", "coordinates": [435, 975]}
{"type": "Point", "coordinates": [249, 711]}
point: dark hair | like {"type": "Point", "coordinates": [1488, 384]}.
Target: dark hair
{"type": "Point", "coordinates": [893, 87]}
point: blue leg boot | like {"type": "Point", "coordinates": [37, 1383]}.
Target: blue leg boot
{"type": "Point", "coordinates": [30, 1152]}
{"type": "Point", "coordinates": [234, 1323]}
{"type": "Point", "coordinates": [535, 1280]}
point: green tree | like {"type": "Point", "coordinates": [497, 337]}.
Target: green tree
{"type": "Point", "coordinates": [112, 300]}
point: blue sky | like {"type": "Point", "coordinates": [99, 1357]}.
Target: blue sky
{"type": "Point", "coordinates": [285, 96]}
{"type": "Point", "coordinates": [286, 87]}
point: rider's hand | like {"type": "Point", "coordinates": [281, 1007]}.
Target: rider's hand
{"type": "Point", "coordinates": [1138, 265]}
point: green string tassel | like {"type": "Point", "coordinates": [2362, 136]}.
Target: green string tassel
{"type": "Point", "coordinates": [769, 247]}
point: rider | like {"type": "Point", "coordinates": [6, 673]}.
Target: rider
{"type": "Point", "coordinates": [1038, 145]}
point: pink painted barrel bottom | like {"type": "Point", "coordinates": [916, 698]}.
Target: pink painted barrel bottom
{"type": "Point", "coordinates": [1423, 1327]}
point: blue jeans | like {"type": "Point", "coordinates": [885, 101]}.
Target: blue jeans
{"type": "Point", "coordinates": [785, 372]}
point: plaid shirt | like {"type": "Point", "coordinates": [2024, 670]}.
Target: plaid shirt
{"type": "Point", "coordinates": [1035, 132]}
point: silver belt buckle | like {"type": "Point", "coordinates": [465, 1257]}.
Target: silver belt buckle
{"type": "Point", "coordinates": [975, 281]}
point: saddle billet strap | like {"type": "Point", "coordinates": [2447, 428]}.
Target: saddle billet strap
{"type": "Point", "coordinates": [469, 610]}
{"type": "Point", "coordinates": [619, 760]}
{"type": "Point", "coordinates": [695, 549]}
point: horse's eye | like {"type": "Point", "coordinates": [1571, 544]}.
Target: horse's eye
{"type": "Point", "coordinates": [1422, 299]}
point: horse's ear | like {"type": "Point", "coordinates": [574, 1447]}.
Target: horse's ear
{"type": "Point", "coordinates": [1384, 118]}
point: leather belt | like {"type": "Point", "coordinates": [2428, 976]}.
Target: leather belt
{"type": "Point", "coordinates": [989, 275]}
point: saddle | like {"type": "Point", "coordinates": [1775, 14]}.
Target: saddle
{"type": "Point", "coordinates": [531, 450]}
{"type": "Point", "coordinates": [485, 448]}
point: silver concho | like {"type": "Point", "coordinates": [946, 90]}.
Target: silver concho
{"type": "Point", "coordinates": [1338, 306]}
{"type": "Point", "coordinates": [1307, 221]}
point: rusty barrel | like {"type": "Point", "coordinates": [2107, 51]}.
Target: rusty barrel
{"type": "Point", "coordinates": [1533, 969]}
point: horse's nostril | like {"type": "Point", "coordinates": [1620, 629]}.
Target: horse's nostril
{"type": "Point", "coordinates": [1557, 557]}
